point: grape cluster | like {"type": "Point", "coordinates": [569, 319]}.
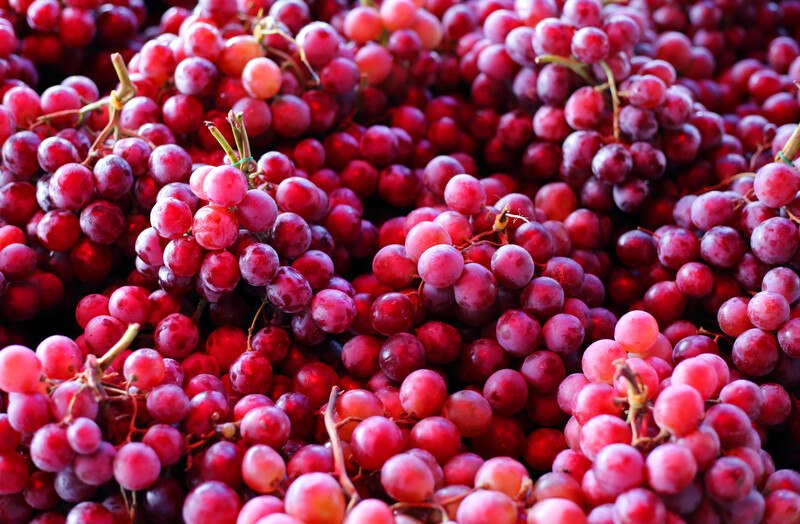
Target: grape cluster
{"type": "Point", "coordinates": [407, 261]}
{"type": "Point", "coordinates": [70, 36]}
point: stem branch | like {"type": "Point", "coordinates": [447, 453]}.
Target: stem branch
{"type": "Point", "coordinates": [336, 446]}
{"type": "Point", "coordinates": [791, 148]}
{"type": "Point", "coordinates": [121, 345]}
{"type": "Point", "coordinates": [576, 67]}
{"type": "Point", "coordinates": [612, 87]}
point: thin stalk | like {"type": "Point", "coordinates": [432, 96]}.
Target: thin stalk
{"type": "Point", "coordinates": [127, 87]}
{"type": "Point", "coordinates": [237, 136]}
{"type": "Point", "coordinates": [336, 446]}
{"type": "Point", "coordinates": [222, 142]}
{"type": "Point", "coordinates": [612, 87]}
{"type": "Point", "coordinates": [267, 26]}
{"type": "Point", "coordinates": [236, 121]}
{"type": "Point", "coordinates": [576, 67]}
{"type": "Point", "coordinates": [792, 147]}
{"type": "Point", "coordinates": [115, 100]}
{"type": "Point", "coordinates": [121, 345]}
{"type": "Point", "coordinates": [253, 325]}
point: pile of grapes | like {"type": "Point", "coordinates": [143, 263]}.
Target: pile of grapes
{"type": "Point", "coordinates": [400, 261]}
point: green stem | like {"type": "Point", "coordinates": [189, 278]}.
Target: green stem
{"type": "Point", "coordinates": [237, 135]}
{"type": "Point", "coordinates": [115, 101]}
{"type": "Point", "coordinates": [222, 142]}
{"type": "Point", "coordinates": [791, 148]}
{"type": "Point", "coordinates": [578, 68]}
{"type": "Point", "coordinates": [612, 87]}
{"type": "Point", "coordinates": [246, 151]}
{"type": "Point", "coordinates": [121, 345]}
{"type": "Point", "coordinates": [127, 87]}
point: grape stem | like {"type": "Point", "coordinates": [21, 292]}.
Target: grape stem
{"type": "Point", "coordinates": [132, 426]}
{"type": "Point", "coordinates": [92, 378]}
{"type": "Point", "coordinates": [338, 453]}
{"type": "Point", "coordinates": [458, 498]}
{"type": "Point", "coordinates": [253, 325]}
{"type": "Point", "coordinates": [198, 311]}
{"type": "Point", "coordinates": [348, 420]}
{"type": "Point", "coordinates": [116, 100]}
{"type": "Point", "coordinates": [288, 60]}
{"type": "Point", "coordinates": [267, 26]}
{"type": "Point", "coordinates": [242, 141]}
{"type": "Point", "coordinates": [717, 336]}
{"type": "Point", "coordinates": [576, 67]}
{"type": "Point", "coordinates": [612, 88]}
{"type": "Point", "coordinates": [129, 505]}
{"type": "Point", "coordinates": [725, 182]}
{"type": "Point", "coordinates": [794, 218]}
{"type": "Point", "coordinates": [122, 344]}
{"type": "Point", "coordinates": [499, 226]}
{"type": "Point", "coordinates": [791, 148]}
{"type": "Point", "coordinates": [637, 396]}
{"type": "Point", "coordinates": [651, 233]}
{"type": "Point", "coordinates": [524, 490]}
{"type": "Point", "coordinates": [223, 142]}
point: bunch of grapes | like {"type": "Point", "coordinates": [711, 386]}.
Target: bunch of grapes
{"type": "Point", "coordinates": [404, 261]}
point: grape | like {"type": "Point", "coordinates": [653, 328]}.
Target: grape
{"type": "Point", "coordinates": [780, 505]}
{"type": "Point", "coordinates": [262, 469]}
{"type": "Point", "coordinates": [507, 391]}
{"type": "Point", "coordinates": [503, 475]}
{"type": "Point", "coordinates": [437, 435]}
{"type": "Point", "coordinates": [375, 440]}
{"type": "Point", "coordinates": [481, 276]}
{"type": "Point", "coordinates": [639, 505]}
{"type": "Point", "coordinates": [370, 510]}
{"type": "Point", "coordinates": [19, 369]}
{"type": "Point", "coordinates": [636, 331]}
{"type": "Point", "coordinates": [679, 421]}
{"type": "Point", "coordinates": [602, 431]}
{"type": "Point", "coordinates": [15, 472]}
{"type": "Point", "coordinates": [84, 436]}
{"type": "Point", "coordinates": [50, 449]}
{"type": "Point", "coordinates": [670, 468]}
{"type": "Point", "coordinates": [512, 266]}
{"type": "Point", "coordinates": [334, 311]}
{"type": "Point", "coordinates": [556, 510]}
{"type": "Point", "coordinates": [696, 373]}
{"type": "Point", "coordinates": [465, 194]}
{"type": "Point", "coordinates": [745, 395]}
{"type": "Point", "coordinates": [485, 504]}
{"type": "Point", "coordinates": [440, 265]}
{"type": "Point", "coordinates": [755, 352]}
{"type": "Point", "coordinates": [423, 393]}
{"type": "Point", "coordinates": [211, 500]}
{"type": "Point", "coordinates": [776, 184]}
{"type": "Point", "coordinates": [619, 467]}
{"type": "Point", "coordinates": [407, 478]}
{"type": "Point", "coordinates": [315, 496]}
{"type": "Point", "coordinates": [136, 466]}
{"type": "Point", "coordinates": [598, 360]}
{"type": "Point", "coordinates": [519, 333]}
{"type": "Point", "coordinates": [60, 357]}
{"type": "Point", "coordinates": [729, 479]}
